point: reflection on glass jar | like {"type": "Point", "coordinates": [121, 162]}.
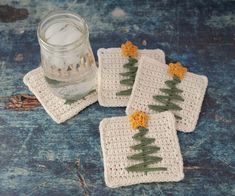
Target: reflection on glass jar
{"type": "Point", "coordinates": [66, 56]}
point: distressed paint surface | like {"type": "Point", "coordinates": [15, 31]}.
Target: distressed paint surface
{"type": "Point", "coordinates": [37, 156]}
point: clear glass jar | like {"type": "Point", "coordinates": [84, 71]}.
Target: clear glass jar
{"type": "Point", "coordinates": [66, 56]}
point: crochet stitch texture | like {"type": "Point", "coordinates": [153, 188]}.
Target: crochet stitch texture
{"type": "Point", "coordinates": [151, 77]}
{"type": "Point", "coordinates": [116, 138]}
{"type": "Point", "coordinates": [111, 63]}
{"type": "Point", "coordinates": [55, 106]}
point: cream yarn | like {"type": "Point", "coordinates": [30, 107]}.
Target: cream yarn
{"type": "Point", "coordinates": [151, 76]}
{"type": "Point", "coordinates": [116, 139]}
{"type": "Point", "coordinates": [55, 106]}
{"type": "Point", "coordinates": [111, 63]}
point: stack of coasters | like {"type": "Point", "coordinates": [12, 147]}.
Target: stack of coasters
{"type": "Point", "coordinates": [151, 78]}
{"type": "Point", "coordinates": [55, 106]}
{"type": "Point", "coordinates": [142, 147]}
{"type": "Point", "coordinates": [111, 63]}
{"type": "Point", "coordinates": [117, 137]}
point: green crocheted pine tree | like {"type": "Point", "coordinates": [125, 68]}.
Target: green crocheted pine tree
{"type": "Point", "coordinates": [145, 154]}
{"type": "Point", "coordinates": [129, 76]}
{"type": "Point", "coordinates": [172, 95]}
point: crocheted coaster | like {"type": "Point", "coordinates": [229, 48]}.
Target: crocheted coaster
{"type": "Point", "coordinates": [55, 106]}
{"type": "Point", "coordinates": [151, 77]}
{"type": "Point", "coordinates": [111, 63]}
{"type": "Point", "coordinates": [116, 138]}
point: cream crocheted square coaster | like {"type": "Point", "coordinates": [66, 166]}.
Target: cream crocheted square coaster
{"type": "Point", "coordinates": [111, 63]}
{"type": "Point", "coordinates": [116, 138]}
{"type": "Point", "coordinates": [151, 76]}
{"type": "Point", "coordinates": [55, 106]}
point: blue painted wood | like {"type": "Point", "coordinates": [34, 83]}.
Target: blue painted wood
{"type": "Point", "coordinates": [37, 156]}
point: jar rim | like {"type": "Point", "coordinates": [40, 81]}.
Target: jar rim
{"type": "Point", "coordinates": [55, 14]}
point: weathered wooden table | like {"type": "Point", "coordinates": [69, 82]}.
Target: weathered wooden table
{"type": "Point", "coordinates": [40, 157]}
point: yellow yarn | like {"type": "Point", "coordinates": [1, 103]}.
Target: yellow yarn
{"type": "Point", "coordinates": [177, 69]}
{"type": "Point", "coordinates": [139, 119]}
{"type": "Point", "coordinates": [129, 49]}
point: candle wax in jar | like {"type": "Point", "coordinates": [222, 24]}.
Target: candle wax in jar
{"type": "Point", "coordinates": [62, 33]}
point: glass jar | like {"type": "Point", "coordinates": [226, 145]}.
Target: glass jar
{"type": "Point", "coordinates": [66, 56]}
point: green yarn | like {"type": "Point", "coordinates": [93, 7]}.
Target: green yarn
{"type": "Point", "coordinates": [129, 76]}
{"type": "Point", "coordinates": [128, 82]}
{"type": "Point", "coordinates": [145, 153]}
{"type": "Point", "coordinates": [71, 101]}
{"type": "Point", "coordinates": [134, 69]}
{"type": "Point", "coordinates": [124, 93]}
{"type": "Point", "coordinates": [171, 91]}
{"type": "Point", "coordinates": [128, 65]}
{"type": "Point", "coordinates": [162, 97]}
{"type": "Point", "coordinates": [130, 73]}
{"type": "Point", "coordinates": [133, 60]}
{"type": "Point", "coordinates": [172, 94]}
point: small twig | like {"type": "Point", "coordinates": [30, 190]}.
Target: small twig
{"type": "Point", "coordinates": [81, 179]}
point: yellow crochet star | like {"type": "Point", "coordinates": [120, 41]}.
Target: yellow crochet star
{"type": "Point", "coordinates": [177, 69]}
{"type": "Point", "coordinates": [139, 119]}
{"type": "Point", "coordinates": [129, 49]}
